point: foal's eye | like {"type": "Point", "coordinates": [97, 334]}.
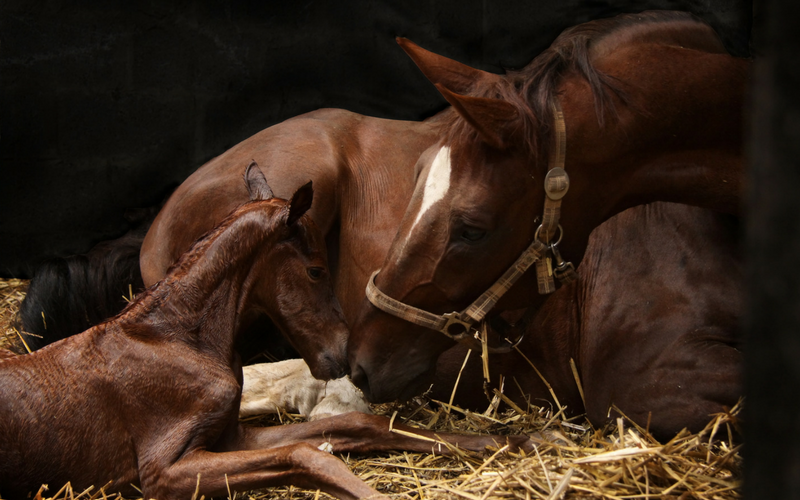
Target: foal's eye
{"type": "Point", "coordinates": [315, 273]}
{"type": "Point", "coordinates": [473, 234]}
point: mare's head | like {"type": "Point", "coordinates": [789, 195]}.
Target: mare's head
{"type": "Point", "coordinates": [476, 207]}
{"type": "Point", "coordinates": [290, 279]}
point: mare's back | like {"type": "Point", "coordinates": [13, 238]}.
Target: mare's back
{"type": "Point", "coordinates": [358, 165]}
{"type": "Point", "coordinates": [678, 29]}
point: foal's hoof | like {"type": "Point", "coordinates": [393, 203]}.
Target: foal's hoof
{"type": "Point", "coordinates": [520, 443]}
{"type": "Point", "coordinates": [550, 437]}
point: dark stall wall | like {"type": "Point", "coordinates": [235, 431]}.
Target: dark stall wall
{"type": "Point", "coordinates": [109, 105]}
{"type": "Point", "coordinates": [772, 324]}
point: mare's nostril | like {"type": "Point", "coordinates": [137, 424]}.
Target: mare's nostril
{"type": "Point", "coordinates": [338, 368]}
{"type": "Point", "coordinates": [329, 367]}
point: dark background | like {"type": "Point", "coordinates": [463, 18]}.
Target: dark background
{"type": "Point", "coordinates": [772, 250]}
{"type": "Point", "coordinates": [109, 105]}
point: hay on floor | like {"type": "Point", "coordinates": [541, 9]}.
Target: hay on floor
{"type": "Point", "coordinates": [573, 460]}
{"type": "Point", "coordinates": [12, 292]}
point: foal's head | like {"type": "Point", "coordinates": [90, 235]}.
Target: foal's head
{"type": "Point", "coordinates": [289, 279]}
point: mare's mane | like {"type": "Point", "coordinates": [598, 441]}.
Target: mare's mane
{"type": "Point", "coordinates": [532, 89]}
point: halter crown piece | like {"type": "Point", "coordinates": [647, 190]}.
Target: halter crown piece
{"type": "Point", "coordinates": [464, 326]}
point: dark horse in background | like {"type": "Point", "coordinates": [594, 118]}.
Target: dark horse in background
{"type": "Point", "coordinates": [653, 109]}
{"type": "Point", "coordinates": [151, 397]}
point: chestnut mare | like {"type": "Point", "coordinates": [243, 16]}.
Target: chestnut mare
{"type": "Point", "coordinates": [151, 397]}
{"type": "Point", "coordinates": [652, 107]}
{"type": "Point", "coordinates": [653, 111]}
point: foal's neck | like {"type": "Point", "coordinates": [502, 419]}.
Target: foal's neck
{"type": "Point", "coordinates": [203, 298]}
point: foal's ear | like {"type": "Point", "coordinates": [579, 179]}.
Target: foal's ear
{"type": "Point", "coordinates": [300, 203]}
{"type": "Point", "coordinates": [256, 183]}
{"type": "Point", "coordinates": [494, 119]}
{"type": "Point", "coordinates": [440, 70]}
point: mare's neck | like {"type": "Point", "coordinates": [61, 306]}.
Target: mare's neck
{"type": "Point", "coordinates": [678, 139]}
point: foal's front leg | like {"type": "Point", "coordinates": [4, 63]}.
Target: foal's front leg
{"type": "Point", "coordinates": [358, 433]}
{"type": "Point", "coordinates": [215, 474]}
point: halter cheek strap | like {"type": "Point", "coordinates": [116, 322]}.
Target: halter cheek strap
{"type": "Point", "coordinates": [459, 326]}
{"type": "Point", "coordinates": [556, 185]}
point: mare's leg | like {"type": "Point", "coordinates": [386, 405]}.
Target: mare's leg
{"type": "Point", "coordinates": [682, 383]}
{"type": "Point", "coordinates": [358, 433]}
{"type": "Point", "coordinates": [660, 325]}
{"type": "Point", "coordinates": [214, 473]}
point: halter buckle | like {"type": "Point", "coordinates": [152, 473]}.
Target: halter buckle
{"type": "Point", "coordinates": [454, 321]}
{"type": "Point", "coordinates": [563, 271]}
{"type": "Point", "coordinates": [470, 337]}
{"type": "Point", "coordinates": [556, 183]}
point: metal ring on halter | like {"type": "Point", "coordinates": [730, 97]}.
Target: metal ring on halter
{"type": "Point", "coordinates": [454, 319]}
{"type": "Point", "coordinates": [472, 342]}
{"type": "Point", "coordinates": [507, 347]}
{"type": "Point", "coordinates": [560, 235]}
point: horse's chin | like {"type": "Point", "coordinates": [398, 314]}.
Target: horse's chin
{"type": "Point", "coordinates": [325, 367]}
{"type": "Point", "coordinates": [397, 387]}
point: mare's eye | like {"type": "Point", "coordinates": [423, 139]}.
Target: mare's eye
{"type": "Point", "coordinates": [473, 234]}
{"type": "Point", "coordinates": [315, 273]}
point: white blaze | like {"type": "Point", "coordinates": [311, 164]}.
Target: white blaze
{"type": "Point", "coordinates": [437, 184]}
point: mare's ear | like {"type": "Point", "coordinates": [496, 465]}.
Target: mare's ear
{"type": "Point", "coordinates": [440, 70]}
{"type": "Point", "coordinates": [256, 183]}
{"type": "Point", "coordinates": [494, 119]}
{"type": "Point", "coordinates": [300, 203]}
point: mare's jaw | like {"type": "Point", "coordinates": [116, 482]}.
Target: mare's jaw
{"type": "Point", "coordinates": [401, 385]}
{"type": "Point", "coordinates": [390, 358]}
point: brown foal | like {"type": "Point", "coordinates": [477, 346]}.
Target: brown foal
{"type": "Point", "coordinates": [151, 397]}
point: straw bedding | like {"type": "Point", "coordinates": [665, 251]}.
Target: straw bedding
{"type": "Point", "coordinates": [574, 460]}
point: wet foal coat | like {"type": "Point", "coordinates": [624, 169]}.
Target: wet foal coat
{"type": "Point", "coordinates": [151, 397]}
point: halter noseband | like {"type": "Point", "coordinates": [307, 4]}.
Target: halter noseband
{"type": "Point", "coordinates": [459, 326]}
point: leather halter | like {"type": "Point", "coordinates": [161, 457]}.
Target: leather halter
{"type": "Point", "coordinates": [461, 326]}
